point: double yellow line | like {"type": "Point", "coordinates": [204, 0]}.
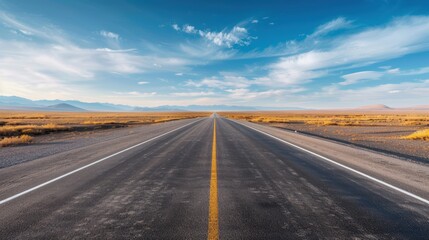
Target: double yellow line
{"type": "Point", "coordinates": [213, 231]}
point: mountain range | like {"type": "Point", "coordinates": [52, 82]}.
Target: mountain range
{"type": "Point", "coordinates": [19, 103]}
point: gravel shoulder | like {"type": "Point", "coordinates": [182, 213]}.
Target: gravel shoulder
{"type": "Point", "coordinates": [384, 139]}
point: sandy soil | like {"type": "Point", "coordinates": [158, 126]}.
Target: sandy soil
{"type": "Point", "coordinates": [379, 138]}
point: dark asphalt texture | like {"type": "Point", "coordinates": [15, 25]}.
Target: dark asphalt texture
{"type": "Point", "coordinates": [266, 190]}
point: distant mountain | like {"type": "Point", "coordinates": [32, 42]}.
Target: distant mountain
{"type": "Point", "coordinates": [104, 107]}
{"type": "Point", "coordinates": [18, 103]}
{"type": "Point", "coordinates": [374, 107]}
{"type": "Point", "coordinates": [64, 107]}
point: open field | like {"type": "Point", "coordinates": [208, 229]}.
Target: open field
{"type": "Point", "coordinates": [15, 124]}
{"type": "Point", "coordinates": [401, 133]}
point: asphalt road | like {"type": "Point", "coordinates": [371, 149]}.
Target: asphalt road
{"type": "Point", "coordinates": [182, 186]}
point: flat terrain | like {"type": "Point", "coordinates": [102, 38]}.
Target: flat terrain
{"type": "Point", "coordinates": [19, 128]}
{"type": "Point", "coordinates": [167, 180]}
{"type": "Point", "coordinates": [383, 131]}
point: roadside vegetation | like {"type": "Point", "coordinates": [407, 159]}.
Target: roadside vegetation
{"type": "Point", "coordinates": [419, 135]}
{"type": "Point", "coordinates": [325, 118]}
{"type": "Point", "coordinates": [12, 141]}
{"type": "Point", "coordinates": [20, 127]}
{"type": "Point", "coordinates": [338, 122]}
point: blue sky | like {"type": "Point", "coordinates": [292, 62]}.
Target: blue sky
{"type": "Point", "coordinates": [311, 54]}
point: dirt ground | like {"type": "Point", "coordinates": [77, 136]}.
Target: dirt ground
{"type": "Point", "coordinates": [379, 138]}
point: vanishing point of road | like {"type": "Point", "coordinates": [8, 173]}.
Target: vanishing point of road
{"type": "Point", "coordinates": [207, 178]}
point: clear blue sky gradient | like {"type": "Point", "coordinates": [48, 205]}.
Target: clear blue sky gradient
{"type": "Point", "coordinates": [312, 54]}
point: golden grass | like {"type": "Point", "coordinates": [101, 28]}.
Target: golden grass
{"type": "Point", "coordinates": [12, 141]}
{"type": "Point", "coordinates": [13, 123]}
{"type": "Point", "coordinates": [9, 130]}
{"type": "Point", "coordinates": [332, 118]}
{"type": "Point", "coordinates": [418, 135]}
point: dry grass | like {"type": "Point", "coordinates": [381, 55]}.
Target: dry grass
{"type": "Point", "coordinates": [13, 123]}
{"type": "Point", "coordinates": [325, 118]}
{"type": "Point", "coordinates": [12, 130]}
{"type": "Point", "coordinates": [418, 135]}
{"type": "Point", "coordinates": [12, 141]}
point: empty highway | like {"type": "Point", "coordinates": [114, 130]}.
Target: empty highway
{"type": "Point", "coordinates": [213, 178]}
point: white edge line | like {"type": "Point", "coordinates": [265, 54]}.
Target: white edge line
{"type": "Point", "coordinates": [89, 165]}
{"type": "Point", "coordinates": [341, 165]}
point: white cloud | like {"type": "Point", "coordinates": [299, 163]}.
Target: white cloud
{"type": "Point", "coordinates": [254, 21]}
{"type": "Point", "coordinates": [58, 68]}
{"type": "Point", "coordinates": [227, 81]}
{"type": "Point", "coordinates": [110, 35]}
{"type": "Point", "coordinates": [49, 32]}
{"type": "Point", "coordinates": [25, 32]}
{"type": "Point", "coordinates": [137, 94]}
{"type": "Point", "coordinates": [238, 35]}
{"type": "Point", "coordinates": [179, 74]}
{"type": "Point", "coordinates": [246, 94]}
{"type": "Point", "coordinates": [394, 91]}
{"type": "Point", "coordinates": [418, 71]}
{"type": "Point", "coordinates": [393, 71]}
{"type": "Point", "coordinates": [400, 37]}
{"type": "Point", "coordinates": [356, 77]}
{"type": "Point", "coordinates": [192, 94]}
{"type": "Point", "coordinates": [175, 27]}
{"type": "Point", "coordinates": [206, 53]}
{"type": "Point", "coordinates": [189, 29]}
{"type": "Point", "coordinates": [142, 82]}
{"type": "Point", "coordinates": [334, 25]}
{"type": "Point", "coordinates": [394, 94]}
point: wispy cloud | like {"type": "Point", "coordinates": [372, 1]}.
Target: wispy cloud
{"type": "Point", "coordinates": [55, 62]}
{"type": "Point", "coordinates": [46, 32]}
{"type": "Point", "coordinates": [142, 82]}
{"type": "Point", "coordinates": [109, 35]}
{"type": "Point", "coordinates": [238, 35]}
{"type": "Point", "coordinates": [366, 47]}
{"type": "Point", "coordinates": [246, 94]}
{"type": "Point", "coordinates": [334, 25]}
{"type": "Point", "coordinates": [400, 93]}
{"type": "Point", "coordinates": [193, 94]}
{"type": "Point", "coordinates": [222, 82]}
{"type": "Point", "coordinates": [356, 77]}
{"type": "Point", "coordinates": [136, 94]}
{"type": "Point", "coordinates": [419, 71]}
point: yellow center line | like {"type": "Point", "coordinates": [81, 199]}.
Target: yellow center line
{"type": "Point", "coordinates": [213, 202]}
